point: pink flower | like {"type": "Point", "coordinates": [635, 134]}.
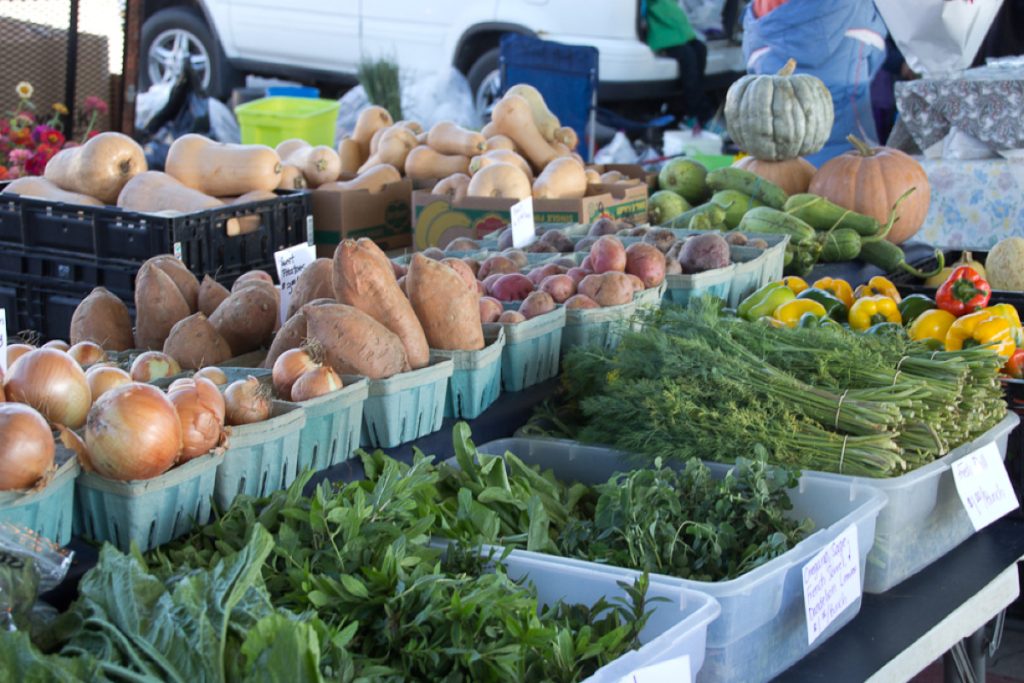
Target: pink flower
{"type": "Point", "coordinates": [94, 104]}
{"type": "Point", "coordinates": [24, 119]}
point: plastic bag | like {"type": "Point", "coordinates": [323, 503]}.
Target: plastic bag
{"type": "Point", "coordinates": [223, 124]}
{"type": "Point", "coordinates": [685, 141]}
{"type": "Point", "coordinates": [349, 106]}
{"type": "Point", "coordinates": [704, 14]}
{"type": "Point", "coordinates": [618, 151]}
{"type": "Point", "coordinates": [960, 145]}
{"type": "Point", "coordinates": [151, 103]}
{"type": "Point", "coordinates": [29, 565]}
{"type": "Point", "coordinates": [187, 110]}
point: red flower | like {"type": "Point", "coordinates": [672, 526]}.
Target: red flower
{"type": "Point", "coordinates": [94, 104]}
{"type": "Point", "coordinates": [47, 150]}
{"type": "Point", "coordinates": [21, 136]}
{"type": "Point", "coordinates": [92, 134]}
{"type": "Point", "coordinates": [48, 135]}
{"type": "Point", "coordinates": [3, 173]}
{"type": "Point", "coordinates": [37, 164]}
{"type": "Point", "coordinates": [5, 126]}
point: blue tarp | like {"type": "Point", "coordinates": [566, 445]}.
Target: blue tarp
{"type": "Point", "coordinates": [842, 42]}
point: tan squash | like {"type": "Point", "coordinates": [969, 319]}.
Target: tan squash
{"type": "Point", "coordinates": [561, 149]}
{"type": "Point", "coordinates": [370, 120]}
{"type": "Point", "coordinates": [250, 223]}
{"type": "Point", "coordinates": [593, 177]}
{"type": "Point", "coordinates": [547, 123]}
{"type": "Point", "coordinates": [100, 168]}
{"type": "Point", "coordinates": [567, 136]}
{"type": "Point", "coordinates": [375, 140]}
{"type": "Point", "coordinates": [319, 164]}
{"type": "Point", "coordinates": [500, 142]}
{"type": "Point", "coordinates": [372, 180]}
{"type": "Point", "coordinates": [513, 119]}
{"type": "Point", "coordinates": [500, 180]}
{"type": "Point", "coordinates": [285, 149]}
{"type": "Point", "coordinates": [424, 163]}
{"type": "Point", "coordinates": [500, 156]}
{"type": "Point", "coordinates": [792, 175]}
{"type": "Point", "coordinates": [454, 187]}
{"type": "Point", "coordinates": [563, 178]}
{"type": "Point", "coordinates": [291, 178]}
{"type": "Point", "coordinates": [350, 154]}
{"type": "Point", "coordinates": [414, 126]}
{"type": "Point", "coordinates": [154, 191]}
{"type": "Point", "coordinates": [449, 138]}
{"type": "Point", "coordinates": [489, 130]}
{"type": "Point", "coordinates": [393, 148]}
{"type": "Point", "coordinates": [41, 188]}
{"type": "Point", "coordinates": [220, 169]}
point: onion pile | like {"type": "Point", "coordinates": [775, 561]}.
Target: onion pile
{"type": "Point", "coordinates": [87, 353]}
{"type": "Point", "coordinates": [27, 448]}
{"type": "Point", "coordinates": [247, 401]}
{"type": "Point", "coordinates": [16, 351]}
{"type": "Point", "coordinates": [288, 367]}
{"type": "Point", "coordinates": [215, 375]}
{"type": "Point", "coordinates": [53, 383]}
{"type": "Point", "coordinates": [153, 365]}
{"type": "Point", "coordinates": [201, 411]}
{"type": "Point", "coordinates": [133, 433]}
{"type": "Point", "coordinates": [316, 383]}
{"type": "Point", "coordinates": [103, 378]}
{"type": "Point", "coordinates": [58, 344]}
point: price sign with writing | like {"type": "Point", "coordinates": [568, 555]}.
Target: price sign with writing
{"type": "Point", "coordinates": [3, 340]}
{"type": "Point", "coordinates": [984, 487]}
{"type": "Point", "coordinates": [290, 263]}
{"type": "Point", "coordinates": [675, 670]}
{"type": "Point", "coordinates": [831, 582]}
{"type": "Point", "coordinates": [524, 232]}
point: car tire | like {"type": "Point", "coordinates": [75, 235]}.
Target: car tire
{"type": "Point", "coordinates": [162, 28]}
{"type": "Point", "coordinates": [484, 79]}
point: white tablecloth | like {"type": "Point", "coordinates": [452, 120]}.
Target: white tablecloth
{"type": "Point", "coordinates": [974, 203]}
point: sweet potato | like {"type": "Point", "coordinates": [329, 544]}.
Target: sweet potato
{"type": "Point", "coordinates": [647, 262]}
{"type": "Point", "coordinates": [354, 343]}
{"type": "Point", "coordinates": [252, 275]}
{"type": "Point", "coordinates": [490, 309]}
{"type": "Point", "coordinates": [608, 289]}
{"type": "Point", "coordinates": [158, 306]}
{"type": "Point", "coordinates": [103, 319]}
{"type": "Point", "coordinates": [269, 289]}
{"type": "Point", "coordinates": [638, 284]}
{"type": "Point", "coordinates": [195, 343]}
{"type": "Point", "coordinates": [511, 287]}
{"type": "Point", "coordinates": [538, 274]}
{"type": "Point", "coordinates": [536, 303]}
{"type": "Point", "coordinates": [496, 264]}
{"type": "Point", "coordinates": [290, 336]}
{"type": "Point", "coordinates": [314, 282]}
{"type": "Point", "coordinates": [577, 301]}
{"type": "Point", "coordinates": [183, 278]}
{"type": "Point", "coordinates": [361, 280]}
{"type": "Point", "coordinates": [560, 287]}
{"type": "Point", "coordinates": [399, 269]}
{"type": "Point", "coordinates": [448, 310]}
{"type": "Point", "coordinates": [608, 255]}
{"type": "Point", "coordinates": [464, 271]}
{"type": "Point", "coordinates": [247, 318]}
{"type": "Point", "coordinates": [512, 317]}
{"type": "Point", "coordinates": [518, 257]}
{"type": "Point", "coordinates": [211, 294]}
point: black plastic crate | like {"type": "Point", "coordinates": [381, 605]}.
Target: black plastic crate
{"type": "Point", "coordinates": [70, 272]}
{"type": "Point", "coordinates": [199, 239]}
{"type": "Point", "coordinates": [46, 309]}
{"type": "Point", "coordinates": [908, 284]}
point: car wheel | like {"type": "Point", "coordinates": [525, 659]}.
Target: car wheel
{"type": "Point", "coordinates": [485, 82]}
{"type": "Point", "coordinates": [174, 35]}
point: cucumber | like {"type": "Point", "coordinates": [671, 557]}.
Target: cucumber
{"type": "Point", "coordinates": [821, 214]}
{"type": "Point", "coordinates": [735, 204]}
{"type": "Point", "coordinates": [714, 211]}
{"type": "Point", "coordinates": [749, 184]}
{"type": "Point", "coordinates": [765, 219]}
{"type": "Point", "coordinates": [841, 244]}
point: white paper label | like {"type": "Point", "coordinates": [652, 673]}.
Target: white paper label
{"type": "Point", "coordinates": [669, 671]}
{"type": "Point", "coordinates": [290, 263]}
{"type": "Point", "coordinates": [177, 250]}
{"type": "Point", "coordinates": [831, 582]}
{"type": "Point", "coordinates": [3, 340]}
{"type": "Point", "coordinates": [524, 232]}
{"type": "Point", "coordinates": [984, 486]}
{"type": "Point", "coordinates": [309, 229]}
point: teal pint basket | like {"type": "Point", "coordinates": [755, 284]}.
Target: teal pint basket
{"type": "Point", "coordinates": [476, 378]}
{"type": "Point", "coordinates": [650, 298]}
{"type": "Point", "coordinates": [48, 511]}
{"type": "Point", "coordinates": [407, 406]}
{"type": "Point", "coordinates": [682, 288]}
{"type": "Point", "coordinates": [749, 272]}
{"type": "Point", "coordinates": [272, 120]}
{"type": "Point", "coordinates": [532, 349]}
{"type": "Point", "coordinates": [261, 457]}
{"type": "Point", "coordinates": [333, 425]}
{"type": "Point", "coordinates": [601, 327]}
{"type": "Point", "coordinates": [150, 512]}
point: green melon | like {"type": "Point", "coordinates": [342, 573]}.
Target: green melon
{"type": "Point", "coordinates": [664, 205]}
{"type": "Point", "coordinates": [685, 177]}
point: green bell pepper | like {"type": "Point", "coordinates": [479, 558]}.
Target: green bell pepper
{"type": "Point", "coordinates": [885, 328]}
{"type": "Point", "coordinates": [764, 301]}
{"type": "Point", "coordinates": [834, 306]}
{"type": "Point", "coordinates": [810, 320]}
{"type": "Point", "coordinates": [913, 306]}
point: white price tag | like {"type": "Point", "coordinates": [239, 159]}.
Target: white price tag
{"type": "Point", "coordinates": [309, 229]}
{"type": "Point", "coordinates": [984, 486]}
{"type": "Point", "coordinates": [3, 340]}
{"type": "Point", "coordinates": [177, 250]}
{"type": "Point", "coordinates": [831, 582]}
{"type": "Point", "coordinates": [524, 232]}
{"type": "Point", "coordinates": [669, 671]}
{"type": "Point", "coordinates": [290, 263]}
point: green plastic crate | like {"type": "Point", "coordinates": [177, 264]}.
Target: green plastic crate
{"type": "Point", "coordinates": [532, 349]}
{"type": "Point", "coordinates": [272, 120]}
{"type": "Point", "coordinates": [333, 424]}
{"type": "Point", "coordinates": [149, 512]}
{"type": "Point", "coordinates": [476, 378]}
{"type": "Point", "coordinates": [48, 511]}
{"type": "Point", "coordinates": [261, 457]}
{"type": "Point", "coordinates": [407, 406]}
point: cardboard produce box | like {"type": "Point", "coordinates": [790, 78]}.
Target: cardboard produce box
{"type": "Point", "coordinates": [385, 217]}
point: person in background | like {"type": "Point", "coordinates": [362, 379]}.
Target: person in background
{"type": "Point", "coordinates": [842, 42]}
{"type": "Point", "coordinates": [670, 34]}
{"type": "Point", "coordinates": [883, 95]}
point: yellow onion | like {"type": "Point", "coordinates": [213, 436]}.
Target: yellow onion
{"type": "Point", "coordinates": [180, 383]}
{"type": "Point", "coordinates": [288, 367]}
{"type": "Point", "coordinates": [315, 383]}
{"type": "Point", "coordinates": [103, 378]}
{"type": "Point", "coordinates": [58, 344]}
{"type": "Point", "coordinates": [133, 433]}
{"type": "Point", "coordinates": [153, 365]}
{"type": "Point", "coordinates": [247, 401]}
{"type": "Point", "coordinates": [73, 442]}
{"type": "Point", "coordinates": [201, 413]}
{"type": "Point", "coordinates": [27, 448]}
{"type": "Point", "coordinates": [87, 353]}
{"type": "Point", "coordinates": [53, 383]}
{"type": "Point", "coordinates": [16, 351]}
{"type": "Point", "coordinates": [215, 375]}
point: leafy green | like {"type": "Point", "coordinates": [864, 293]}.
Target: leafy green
{"type": "Point", "coordinates": [21, 661]}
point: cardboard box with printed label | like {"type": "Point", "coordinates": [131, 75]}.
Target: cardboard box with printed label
{"type": "Point", "coordinates": [385, 217]}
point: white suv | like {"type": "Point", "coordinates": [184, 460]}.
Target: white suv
{"type": "Point", "coordinates": [324, 40]}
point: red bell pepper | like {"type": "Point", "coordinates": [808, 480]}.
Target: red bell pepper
{"type": "Point", "coordinates": [1015, 365]}
{"type": "Point", "coordinates": [963, 292]}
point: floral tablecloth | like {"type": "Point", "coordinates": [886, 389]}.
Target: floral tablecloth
{"type": "Point", "coordinates": [974, 203]}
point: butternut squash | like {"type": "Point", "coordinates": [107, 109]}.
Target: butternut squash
{"type": "Point", "coordinates": [350, 154]}
{"type": "Point", "coordinates": [454, 187]}
{"type": "Point", "coordinates": [561, 149]}
{"type": "Point", "coordinates": [489, 130]}
{"type": "Point", "coordinates": [220, 169]}
{"type": "Point", "coordinates": [500, 142]}
{"type": "Point", "coordinates": [100, 168]}
{"type": "Point", "coordinates": [421, 138]}
{"type": "Point", "coordinates": [503, 156]}
{"type": "Point", "coordinates": [593, 177]}
{"type": "Point", "coordinates": [415, 127]}
{"type": "Point", "coordinates": [372, 180]}
{"type": "Point", "coordinates": [425, 163]}
{"type": "Point", "coordinates": [250, 223]}
{"type": "Point", "coordinates": [319, 164]}
{"type": "Point", "coordinates": [370, 120]}
{"type": "Point", "coordinates": [291, 178]}
{"type": "Point", "coordinates": [156, 192]}
{"type": "Point", "coordinates": [501, 180]}
{"type": "Point", "coordinates": [547, 123]}
{"type": "Point", "coordinates": [393, 147]}
{"type": "Point", "coordinates": [448, 138]}
{"type": "Point", "coordinates": [567, 136]}
{"type": "Point", "coordinates": [563, 178]}
{"type": "Point", "coordinates": [514, 120]}
{"type": "Point", "coordinates": [41, 188]}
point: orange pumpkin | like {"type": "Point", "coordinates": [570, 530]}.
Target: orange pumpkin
{"type": "Point", "coordinates": [763, 7]}
{"type": "Point", "coordinates": [870, 180]}
{"type": "Point", "coordinates": [792, 175]}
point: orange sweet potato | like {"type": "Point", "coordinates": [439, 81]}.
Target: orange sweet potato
{"type": "Point", "coordinates": [314, 282]}
{"type": "Point", "coordinates": [158, 306]}
{"type": "Point", "coordinates": [448, 310]}
{"type": "Point", "coordinates": [195, 343]}
{"type": "Point", "coordinates": [211, 294]}
{"type": "Point", "coordinates": [354, 343]}
{"type": "Point", "coordinates": [186, 282]}
{"type": "Point", "coordinates": [246, 319]}
{"type": "Point", "coordinates": [102, 318]}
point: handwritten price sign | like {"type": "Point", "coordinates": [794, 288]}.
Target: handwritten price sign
{"type": "Point", "coordinates": [831, 582]}
{"type": "Point", "coordinates": [290, 264]}
{"type": "Point", "coordinates": [984, 486]}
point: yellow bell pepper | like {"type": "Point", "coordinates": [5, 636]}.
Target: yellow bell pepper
{"type": "Point", "coordinates": [797, 284]}
{"type": "Point", "coordinates": [790, 312]}
{"type": "Point", "coordinates": [933, 324]}
{"type": "Point", "coordinates": [878, 286]}
{"type": "Point", "coordinates": [840, 289]}
{"type": "Point", "coordinates": [979, 328]}
{"type": "Point", "coordinates": [871, 310]}
{"type": "Point", "coordinates": [1009, 311]}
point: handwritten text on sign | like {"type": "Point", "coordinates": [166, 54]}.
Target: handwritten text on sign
{"type": "Point", "coordinates": [524, 232]}
{"type": "Point", "coordinates": [984, 486]}
{"type": "Point", "coordinates": [675, 670]}
{"type": "Point", "coordinates": [290, 264]}
{"type": "Point", "coordinates": [831, 582]}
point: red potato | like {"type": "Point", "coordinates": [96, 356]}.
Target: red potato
{"type": "Point", "coordinates": [608, 289]}
{"type": "Point", "coordinates": [538, 274]}
{"type": "Point", "coordinates": [473, 265]}
{"type": "Point", "coordinates": [512, 287]}
{"type": "Point", "coordinates": [662, 238]}
{"type": "Point", "coordinates": [608, 255]}
{"type": "Point", "coordinates": [399, 269]}
{"type": "Point", "coordinates": [518, 256]}
{"type": "Point", "coordinates": [464, 271]}
{"type": "Point", "coordinates": [577, 301]}
{"type": "Point", "coordinates": [539, 247]}
{"type": "Point", "coordinates": [672, 267]}
{"type": "Point", "coordinates": [576, 274]}
{"type": "Point", "coordinates": [433, 253]}
{"type": "Point", "coordinates": [566, 262]}
{"type": "Point", "coordinates": [586, 243]}
{"type": "Point", "coordinates": [558, 240]}
{"type": "Point", "coordinates": [603, 226]}
{"type": "Point", "coordinates": [489, 281]}
{"type": "Point", "coordinates": [560, 287]}
{"type": "Point", "coordinates": [496, 264]}
{"type": "Point", "coordinates": [587, 265]}
{"type": "Point", "coordinates": [647, 262]}
{"type": "Point", "coordinates": [512, 317]}
{"type": "Point", "coordinates": [481, 289]}
{"type": "Point", "coordinates": [535, 304]}
{"type": "Point", "coordinates": [638, 284]}
{"type": "Point", "coordinates": [490, 309]}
